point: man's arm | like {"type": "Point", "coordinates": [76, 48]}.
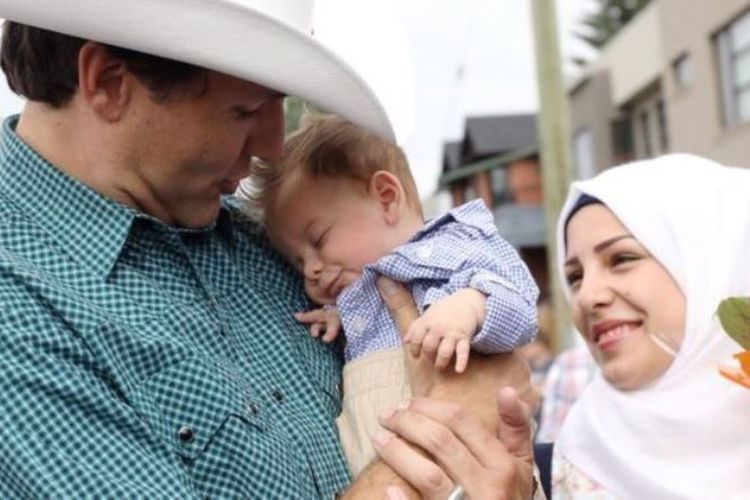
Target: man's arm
{"type": "Point", "coordinates": [473, 389]}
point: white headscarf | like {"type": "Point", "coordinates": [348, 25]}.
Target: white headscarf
{"type": "Point", "coordinates": [688, 434]}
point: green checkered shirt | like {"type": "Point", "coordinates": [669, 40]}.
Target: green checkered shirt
{"type": "Point", "coordinates": [139, 360]}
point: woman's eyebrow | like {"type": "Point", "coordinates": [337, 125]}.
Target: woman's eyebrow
{"type": "Point", "coordinates": [599, 247]}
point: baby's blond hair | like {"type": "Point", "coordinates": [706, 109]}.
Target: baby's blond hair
{"type": "Point", "coordinates": [329, 146]}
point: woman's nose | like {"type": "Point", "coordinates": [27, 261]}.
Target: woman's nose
{"type": "Point", "coordinates": [594, 291]}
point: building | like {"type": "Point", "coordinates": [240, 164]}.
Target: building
{"type": "Point", "coordinates": [497, 160]}
{"type": "Point", "coordinates": [674, 79]}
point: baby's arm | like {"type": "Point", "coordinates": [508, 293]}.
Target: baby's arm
{"type": "Point", "coordinates": [447, 327]}
{"type": "Point", "coordinates": [325, 320]}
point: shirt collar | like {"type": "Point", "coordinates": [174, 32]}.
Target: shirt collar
{"type": "Point", "coordinates": [92, 229]}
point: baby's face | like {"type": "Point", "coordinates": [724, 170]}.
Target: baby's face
{"type": "Point", "coordinates": [329, 228]}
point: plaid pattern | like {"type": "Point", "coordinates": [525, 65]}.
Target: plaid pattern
{"type": "Point", "coordinates": [568, 375]}
{"type": "Point", "coordinates": [142, 361]}
{"type": "Point", "coordinates": [457, 250]}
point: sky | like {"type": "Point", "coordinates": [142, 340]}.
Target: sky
{"type": "Point", "coordinates": [435, 62]}
{"type": "Point", "coordinates": [464, 58]}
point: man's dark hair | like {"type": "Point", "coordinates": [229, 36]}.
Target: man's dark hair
{"type": "Point", "coordinates": [42, 66]}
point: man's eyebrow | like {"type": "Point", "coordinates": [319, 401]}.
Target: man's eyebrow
{"type": "Point", "coordinates": [600, 247]}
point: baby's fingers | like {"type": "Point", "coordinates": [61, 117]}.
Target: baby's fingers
{"type": "Point", "coordinates": [332, 330]}
{"type": "Point", "coordinates": [415, 337]}
{"type": "Point", "coordinates": [445, 353]}
{"type": "Point", "coordinates": [315, 329]}
{"type": "Point", "coordinates": [462, 355]}
{"type": "Point", "coordinates": [314, 316]}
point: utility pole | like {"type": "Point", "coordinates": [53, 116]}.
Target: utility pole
{"type": "Point", "coordinates": [554, 146]}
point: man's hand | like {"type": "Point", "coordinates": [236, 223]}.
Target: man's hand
{"type": "Point", "coordinates": [473, 387]}
{"type": "Point", "coordinates": [461, 449]}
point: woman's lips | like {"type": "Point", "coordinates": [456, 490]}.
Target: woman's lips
{"type": "Point", "coordinates": [607, 335]}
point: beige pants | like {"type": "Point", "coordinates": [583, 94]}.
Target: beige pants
{"type": "Point", "coordinates": [372, 384]}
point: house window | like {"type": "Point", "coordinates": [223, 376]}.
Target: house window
{"type": "Point", "coordinates": [583, 151]}
{"type": "Point", "coordinates": [622, 139]}
{"type": "Point", "coordinates": [661, 116]}
{"type": "Point", "coordinates": [497, 179]}
{"type": "Point", "coordinates": [683, 71]}
{"type": "Point", "coordinates": [643, 118]}
{"type": "Point", "coordinates": [733, 50]}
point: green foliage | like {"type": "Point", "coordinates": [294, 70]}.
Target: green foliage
{"type": "Point", "coordinates": [734, 315]}
{"type": "Point", "coordinates": [294, 109]}
{"type": "Point", "coordinates": [610, 17]}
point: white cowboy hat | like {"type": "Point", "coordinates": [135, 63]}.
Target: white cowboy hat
{"type": "Point", "coordinates": [268, 42]}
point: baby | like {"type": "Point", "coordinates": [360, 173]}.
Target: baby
{"type": "Point", "coordinates": [342, 206]}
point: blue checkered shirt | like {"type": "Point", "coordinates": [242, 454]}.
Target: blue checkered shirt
{"type": "Point", "coordinates": [460, 249]}
{"type": "Point", "coordinates": [138, 360]}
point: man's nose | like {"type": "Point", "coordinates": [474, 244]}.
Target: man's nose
{"type": "Point", "coordinates": [266, 140]}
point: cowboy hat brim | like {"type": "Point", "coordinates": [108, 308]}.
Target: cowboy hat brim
{"type": "Point", "coordinates": [266, 44]}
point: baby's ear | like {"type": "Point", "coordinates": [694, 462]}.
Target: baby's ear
{"type": "Point", "coordinates": [387, 190]}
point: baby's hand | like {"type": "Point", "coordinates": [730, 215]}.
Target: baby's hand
{"type": "Point", "coordinates": [325, 320]}
{"type": "Point", "coordinates": [446, 328]}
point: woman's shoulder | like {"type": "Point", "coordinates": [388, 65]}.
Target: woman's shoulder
{"type": "Point", "coordinates": [570, 483]}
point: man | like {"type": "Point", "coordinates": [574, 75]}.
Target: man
{"type": "Point", "coordinates": [146, 343]}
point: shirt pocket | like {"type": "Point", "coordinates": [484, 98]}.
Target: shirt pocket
{"type": "Point", "coordinates": [191, 401]}
{"type": "Point", "coordinates": [436, 259]}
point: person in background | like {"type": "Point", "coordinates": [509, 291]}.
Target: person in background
{"type": "Point", "coordinates": [648, 250]}
{"type": "Point", "coordinates": [569, 374]}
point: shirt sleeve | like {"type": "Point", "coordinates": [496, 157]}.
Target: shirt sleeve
{"type": "Point", "coordinates": [66, 433]}
{"type": "Point", "coordinates": [494, 268]}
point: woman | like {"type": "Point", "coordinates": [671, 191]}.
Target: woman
{"type": "Point", "coordinates": [648, 251]}
{"type": "Point", "coordinates": [648, 256]}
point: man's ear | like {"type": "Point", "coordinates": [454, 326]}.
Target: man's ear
{"type": "Point", "coordinates": [387, 189]}
{"type": "Point", "coordinates": [103, 81]}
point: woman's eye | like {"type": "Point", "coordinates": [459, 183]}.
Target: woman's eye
{"type": "Point", "coordinates": [573, 277]}
{"type": "Point", "coordinates": [623, 258]}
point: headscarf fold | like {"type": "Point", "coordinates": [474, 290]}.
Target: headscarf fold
{"type": "Point", "coordinates": [688, 434]}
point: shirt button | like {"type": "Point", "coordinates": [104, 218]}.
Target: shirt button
{"type": "Point", "coordinates": [186, 434]}
{"type": "Point", "coordinates": [252, 408]}
{"type": "Point", "coordinates": [277, 395]}
{"type": "Point", "coordinates": [213, 302]}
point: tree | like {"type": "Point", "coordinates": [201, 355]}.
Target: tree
{"type": "Point", "coordinates": [608, 19]}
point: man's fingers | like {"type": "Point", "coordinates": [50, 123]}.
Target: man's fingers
{"type": "Point", "coordinates": [415, 468]}
{"type": "Point", "coordinates": [514, 428]}
{"type": "Point", "coordinates": [399, 301]}
{"type": "Point", "coordinates": [475, 436]}
{"type": "Point", "coordinates": [450, 457]}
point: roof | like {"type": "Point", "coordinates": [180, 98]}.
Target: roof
{"type": "Point", "coordinates": [490, 163]}
{"type": "Point", "coordinates": [498, 134]}
{"type": "Point", "coordinates": [451, 156]}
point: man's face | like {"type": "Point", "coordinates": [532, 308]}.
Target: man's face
{"type": "Point", "coordinates": [192, 149]}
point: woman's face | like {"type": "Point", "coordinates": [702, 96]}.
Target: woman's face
{"type": "Point", "coordinates": [621, 298]}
